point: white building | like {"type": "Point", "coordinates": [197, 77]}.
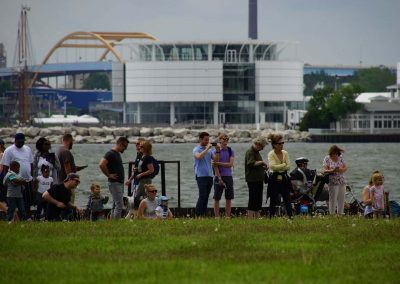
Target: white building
{"type": "Point", "coordinates": [241, 82]}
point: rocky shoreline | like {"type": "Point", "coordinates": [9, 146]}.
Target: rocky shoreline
{"type": "Point", "coordinates": [107, 135]}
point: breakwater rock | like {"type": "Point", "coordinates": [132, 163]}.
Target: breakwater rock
{"type": "Point", "coordinates": [106, 135]}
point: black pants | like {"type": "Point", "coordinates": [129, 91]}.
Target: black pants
{"type": "Point", "coordinates": [276, 190]}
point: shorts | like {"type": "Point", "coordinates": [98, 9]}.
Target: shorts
{"type": "Point", "coordinates": [218, 190]}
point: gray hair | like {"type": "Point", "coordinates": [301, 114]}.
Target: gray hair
{"type": "Point", "coordinates": [260, 141]}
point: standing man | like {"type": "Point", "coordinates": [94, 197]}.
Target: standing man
{"type": "Point", "coordinates": [23, 155]}
{"type": "Point", "coordinates": [58, 198]}
{"type": "Point", "coordinates": [112, 167]}
{"type": "Point", "coordinates": [67, 161]}
{"type": "Point", "coordinates": [3, 193]}
{"type": "Point", "coordinates": [223, 158]}
{"type": "Point", "coordinates": [203, 172]}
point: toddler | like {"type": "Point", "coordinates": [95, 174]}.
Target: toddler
{"type": "Point", "coordinates": [162, 210]}
{"type": "Point", "coordinates": [14, 183]}
{"type": "Point", "coordinates": [95, 205]}
{"type": "Point", "coordinates": [378, 195]}
{"type": "Point", "coordinates": [44, 182]}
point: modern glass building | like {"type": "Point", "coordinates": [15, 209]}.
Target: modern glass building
{"type": "Point", "coordinates": [207, 83]}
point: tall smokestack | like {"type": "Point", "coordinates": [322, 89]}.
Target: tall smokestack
{"type": "Point", "coordinates": [253, 19]}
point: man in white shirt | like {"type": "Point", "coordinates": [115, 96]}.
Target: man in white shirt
{"type": "Point", "coordinates": [23, 155]}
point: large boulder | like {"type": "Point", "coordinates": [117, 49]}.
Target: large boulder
{"type": "Point", "coordinates": [83, 131]}
{"type": "Point", "coordinates": [146, 132]}
{"type": "Point", "coordinates": [180, 133]}
{"type": "Point", "coordinates": [157, 131]}
{"type": "Point", "coordinates": [58, 130]}
{"type": "Point", "coordinates": [96, 131]}
{"type": "Point", "coordinates": [45, 132]}
{"type": "Point", "coordinates": [32, 132]}
{"type": "Point", "coordinates": [168, 132]}
{"type": "Point", "coordinates": [7, 132]}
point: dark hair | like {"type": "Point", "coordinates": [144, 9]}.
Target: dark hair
{"type": "Point", "coordinates": [67, 137]}
{"type": "Point", "coordinates": [335, 149]}
{"type": "Point", "coordinates": [40, 143]}
{"type": "Point", "coordinates": [203, 134]}
{"type": "Point", "coordinates": [14, 164]}
{"type": "Point", "coordinates": [44, 167]}
{"type": "Point", "coordinates": [274, 138]}
{"type": "Point", "coordinates": [122, 139]}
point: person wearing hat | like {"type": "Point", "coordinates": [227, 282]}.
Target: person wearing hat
{"type": "Point", "coordinates": [301, 176]}
{"type": "Point", "coordinates": [23, 154]}
{"type": "Point", "coordinates": [58, 198]}
{"type": "Point", "coordinates": [335, 166]}
{"type": "Point", "coordinates": [162, 210]}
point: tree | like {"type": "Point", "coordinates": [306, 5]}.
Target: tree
{"type": "Point", "coordinates": [374, 79]}
{"type": "Point", "coordinates": [327, 106]}
{"type": "Point", "coordinates": [97, 81]}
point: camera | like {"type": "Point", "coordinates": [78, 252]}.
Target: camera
{"type": "Point", "coordinates": [214, 143]}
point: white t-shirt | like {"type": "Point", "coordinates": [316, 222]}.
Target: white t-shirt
{"type": "Point", "coordinates": [161, 213]}
{"type": "Point", "coordinates": [44, 183]}
{"type": "Point", "coordinates": [23, 156]}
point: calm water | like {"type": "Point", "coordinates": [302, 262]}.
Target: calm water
{"type": "Point", "coordinates": [361, 159]}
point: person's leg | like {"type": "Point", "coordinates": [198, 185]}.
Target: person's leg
{"type": "Point", "coordinates": [340, 199]}
{"type": "Point", "coordinates": [39, 206]}
{"type": "Point", "coordinates": [11, 204]}
{"type": "Point", "coordinates": [333, 192]}
{"type": "Point", "coordinates": [117, 193]}
{"type": "Point", "coordinates": [273, 197]}
{"type": "Point", "coordinates": [229, 195]}
{"type": "Point", "coordinates": [217, 197]}
{"type": "Point", "coordinates": [286, 199]}
{"type": "Point", "coordinates": [204, 185]}
{"type": "Point", "coordinates": [21, 208]}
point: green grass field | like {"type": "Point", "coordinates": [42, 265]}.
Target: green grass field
{"type": "Point", "coordinates": [306, 250]}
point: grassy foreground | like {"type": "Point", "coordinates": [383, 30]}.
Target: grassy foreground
{"type": "Point", "coordinates": [306, 250]}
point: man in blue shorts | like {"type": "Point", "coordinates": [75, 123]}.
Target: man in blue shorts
{"type": "Point", "coordinates": [223, 158]}
{"type": "Point", "coordinates": [203, 172]}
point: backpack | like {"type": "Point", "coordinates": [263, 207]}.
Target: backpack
{"type": "Point", "coordinates": [156, 166]}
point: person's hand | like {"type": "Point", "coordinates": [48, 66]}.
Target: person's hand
{"type": "Point", "coordinates": [128, 182]}
{"type": "Point", "coordinates": [113, 176]}
{"type": "Point", "coordinates": [218, 147]}
{"type": "Point", "coordinates": [61, 205]}
{"type": "Point", "coordinates": [221, 183]}
{"type": "Point", "coordinates": [214, 163]}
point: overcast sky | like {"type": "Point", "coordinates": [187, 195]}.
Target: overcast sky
{"type": "Point", "coordinates": [327, 31]}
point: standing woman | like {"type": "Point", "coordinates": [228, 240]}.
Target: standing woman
{"type": "Point", "coordinates": [144, 171]}
{"type": "Point", "coordinates": [336, 167]}
{"type": "Point", "coordinates": [43, 156]}
{"type": "Point", "coordinates": [279, 183]}
{"type": "Point", "coordinates": [254, 167]}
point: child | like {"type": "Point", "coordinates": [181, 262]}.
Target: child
{"type": "Point", "coordinates": [14, 183]}
{"type": "Point", "coordinates": [44, 182]}
{"type": "Point", "coordinates": [162, 210]}
{"type": "Point", "coordinates": [378, 195]}
{"type": "Point", "coordinates": [95, 205]}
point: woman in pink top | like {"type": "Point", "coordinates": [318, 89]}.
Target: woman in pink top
{"type": "Point", "coordinates": [336, 167]}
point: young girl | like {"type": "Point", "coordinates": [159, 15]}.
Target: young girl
{"type": "Point", "coordinates": [44, 182]}
{"type": "Point", "coordinates": [378, 195]}
{"type": "Point", "coordinates": [162, 210]}
{"type": "Point", "coordinates": [95, 205]}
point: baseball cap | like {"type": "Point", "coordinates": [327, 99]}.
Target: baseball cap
{"type": "Point", "coordinates": [71, 176]}
{"type": "Point", "coordinates": [2, 142]}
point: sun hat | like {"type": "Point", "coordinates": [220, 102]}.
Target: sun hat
{"type": "Point", "coordinates": [72, 176]}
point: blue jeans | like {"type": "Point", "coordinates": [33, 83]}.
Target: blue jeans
{"type": "Point", "coordinates": [15, 202]}
{"type": "Point", "coordinates": [204, 184]}
{"type": "Point", "coordinates": [117, 193]}
{"type": "Point", "coordinates": [41, 205]}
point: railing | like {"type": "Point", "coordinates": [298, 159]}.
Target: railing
{"type": "Point", "coordinates": [162, 175]}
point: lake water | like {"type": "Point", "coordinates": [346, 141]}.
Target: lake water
{"type": "Point", "coordinates": [361, 158]}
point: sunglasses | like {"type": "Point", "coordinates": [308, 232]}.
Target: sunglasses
{"type": "Point", "coordinates": [153, 191]}
{"type": "Point", "coordinates": [225, 139]}
{"type": "Point", "coordinates": [280, 143]}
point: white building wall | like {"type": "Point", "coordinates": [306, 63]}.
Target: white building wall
{"type": "Point", "coordinates": [279, 81]}
{"type": "Point", "coordinates": [174, 81]}
{"type": "Point", "coordinates": [117, 82]}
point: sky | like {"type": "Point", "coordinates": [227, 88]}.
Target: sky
{"type": "Point", "coordinates": [326, 32]}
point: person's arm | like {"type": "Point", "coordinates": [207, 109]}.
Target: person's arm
{"type": "Point", "coordinates": [150, 170]}
{"type": "Point", "coordinates": [170, 215]}
{"type": "Point", "coordinates": [327, 169]}
{"type": "Point", "coordinates": [68, 167]}
{"type": "Point", "coordinates": [273, 163]}
{"type": "Point", "coordinates": [142, 207]}
{"type": "Point", "coordinates": [46, 196]}
{"type": "Point", "coordinates": [387, 204]}
{"type": "Point", "coordinates": [200, 155]}
{"type": "Point", "coordinates": [103, 167]}
{"type": "Point", "coordinates": [372, 198]}
{"type": "Point", "coordinates": [343, 168]}
{"type": "Point", "coordinates": [366, 196]}
{"type": "Point", "coordinates": [73, 206]}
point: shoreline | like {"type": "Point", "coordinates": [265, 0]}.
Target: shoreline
{"type": "Point", "coordinates": [108, 135]}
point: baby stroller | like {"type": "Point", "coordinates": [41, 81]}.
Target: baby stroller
{"type": "Point", "coordinates": [309, 196]}
{"type": "Point", "coordinates": [352, 206]}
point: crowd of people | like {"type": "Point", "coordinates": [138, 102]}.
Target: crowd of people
{"type": "Point", "coordinates": [48, 180]}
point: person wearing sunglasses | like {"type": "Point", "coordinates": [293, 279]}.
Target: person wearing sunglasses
{"type": "Point", "coordinates": [279, 184]}
{"type": "Point", "coordinates": [147, 207]}
{"type": "Point", "coordinates": [58, 198]}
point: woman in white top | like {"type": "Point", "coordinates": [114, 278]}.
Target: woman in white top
{"type": "Point", "coordinates": [147, 207]}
